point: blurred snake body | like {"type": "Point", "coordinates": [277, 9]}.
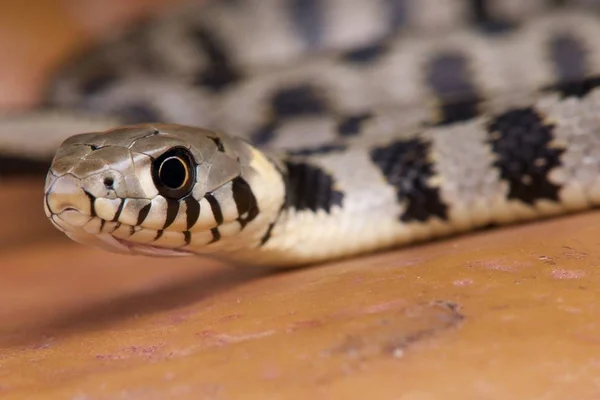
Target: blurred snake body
{"type": "Point", "coordinates": [286, 133]}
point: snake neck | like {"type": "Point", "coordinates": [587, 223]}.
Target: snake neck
{"type": "Point", "coordinates": [293, 196]}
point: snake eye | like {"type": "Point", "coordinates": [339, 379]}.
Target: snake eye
{"type": "Point", "coordinates": [174, 173]}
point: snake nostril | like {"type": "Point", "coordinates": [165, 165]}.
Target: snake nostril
{"type": "Point", "coordinates": [109, 182]}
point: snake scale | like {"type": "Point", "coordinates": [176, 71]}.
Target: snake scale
{"type": "Point", "coordinates": [290, 132]}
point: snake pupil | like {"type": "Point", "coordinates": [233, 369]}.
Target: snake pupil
{"type": "Point", "coordinates": [173, 173]}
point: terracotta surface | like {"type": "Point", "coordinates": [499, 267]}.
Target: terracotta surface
{"type": "Point", "coordinates": [505, 314]}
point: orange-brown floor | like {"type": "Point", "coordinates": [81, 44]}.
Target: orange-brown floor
{"type": "Point", "coordinates": [506, 314]}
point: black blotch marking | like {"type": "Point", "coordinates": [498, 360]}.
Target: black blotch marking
{"type": "Point", "coordinates": [245, 201]}
{"type": "Point", "coordinates": [138, 113]}
{"type": "Point", "coordinates": [486, 22]}
{"type": "Point", "coordinates": [98, 81]}
{"type": "Point", "coordinates": [118, 213]}
{"type": "Point", "coordinates": [461, 110]}
{"type": "Point", "coordinates": [15, 166]}
{"type": "Point", "coordinates": [569, 57]}
{"type": "Point", "coordinates": [366, 55]}
{"type": "Point", "coordinates": [117, 226]}
{"type": "Point", "coordinates": [218, 143]}
{"type": "Point", "coordinates": [351, 125]}
{"type": "Point", "coordinates": [521, 141]}
{"type": "Point", "coordinates": [187, 237]}
{"type": "Point", "coordinates": [310, 188]}
{"type": "Point", "coordinates": [397, 13]}
{"type": "Point", "coordinates": [220, 72]}
{"type": "Point", "coordinates": [290, 102]}
{"type": "Point", "coordinates": [448, 76]}
{"type": "Point", "coordinates": [300, 100]}
{"type": "Point", "coordinates": [323, 149]}
{"type": "Point", "coordinates": [307, 16]}
{"type": "Point", "coordinates": [192, 210]}
{"type": "Point", "coordinates": [172, 211]}
{"type": "Point", "coordinates": [92, 200]}
{"type": "Point", "coordinates": [577, 88]}
{"type": "Point", "coordinates": [405, 166]}
{"type": "Point", "coordinates": [264, 134]}
{"type": "Point", "coordinates": [216, 235]}
{"type": "Point", "coordinates": [143, 214]}
{"type": "Point", "coordinates": [215, 207]}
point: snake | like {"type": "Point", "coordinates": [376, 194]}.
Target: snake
{"type": "Point", "coordinates": [286, 133]}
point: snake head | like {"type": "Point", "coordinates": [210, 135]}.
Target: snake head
{"type": "Point", "coordinates": [156, 189]}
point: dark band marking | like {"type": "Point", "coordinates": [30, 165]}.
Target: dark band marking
{"type": "Point", "coordinates": [220, 72]}
{"type": "Point", "coordinates": [143, 213]}
{"type": "Point", "coordinates": [215, 207]}
{"type": "Point", "coordinates": [300, 100]}
{"type": "Point", "coordinates": [366, 55]}
{"type": "Point", "coordinates": [351, 125]}
{"type": "Point", "coordinates": [449, 77]}
{"type": "Point", "coordinates": [102, 223]}
{"type": "Point", "coordinates": [245, 202]}
{"type": "Point", "coordinates": [397, 12]}
{"type": "Point", "coordinates": [172, 211]}
{"type": "Point", "coordinates": [486, 22]}
{"type": "Point", "coordinates": [267, 234]}
{"type": "Point", "coordinates": [192, 211]}
{"type": "Point", "coordinates": [92, 200]}
{"type": "Point", "coordinates": [323, 149]}
{"type": "Point", "coordinates": [265, 238]}
{"type": "Point", "coordinates": [131, 230]}
{"type": "Point", "coordinates": [119, 210]}
{"type": "Point", "coordinates": [159, 233]}
{"type": "Point", "coordinates": [307, 16]}
{"type": "Point", "coordinates": [187, 237]}
{"type": "Point", "coordinates": [310, 188]}
{"type": "Point", "coordinates": [405, 166]}
{"type": "Point", "coordinates": [218, 143]}
{"type": "Point", "coordinates": [216, 235]}
{"type": "Point", "coordinates": [264, 134]}
{"type": "Point", "coordinates": [569, 57]}
{"type": "Point", "coordinates": [578, 88]}
{"type": "Point", "coordinates": [521, 141]}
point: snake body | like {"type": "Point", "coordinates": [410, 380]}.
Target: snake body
{"type": "Point", "coordinates": [328, 129]}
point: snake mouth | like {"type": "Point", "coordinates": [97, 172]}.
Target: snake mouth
{"type": "Point", "coordinates": [151, 250]}
{"type": "Point", "coordinates": [96, 232]}
{"type": "Point", "coordinates": [111, 243]}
